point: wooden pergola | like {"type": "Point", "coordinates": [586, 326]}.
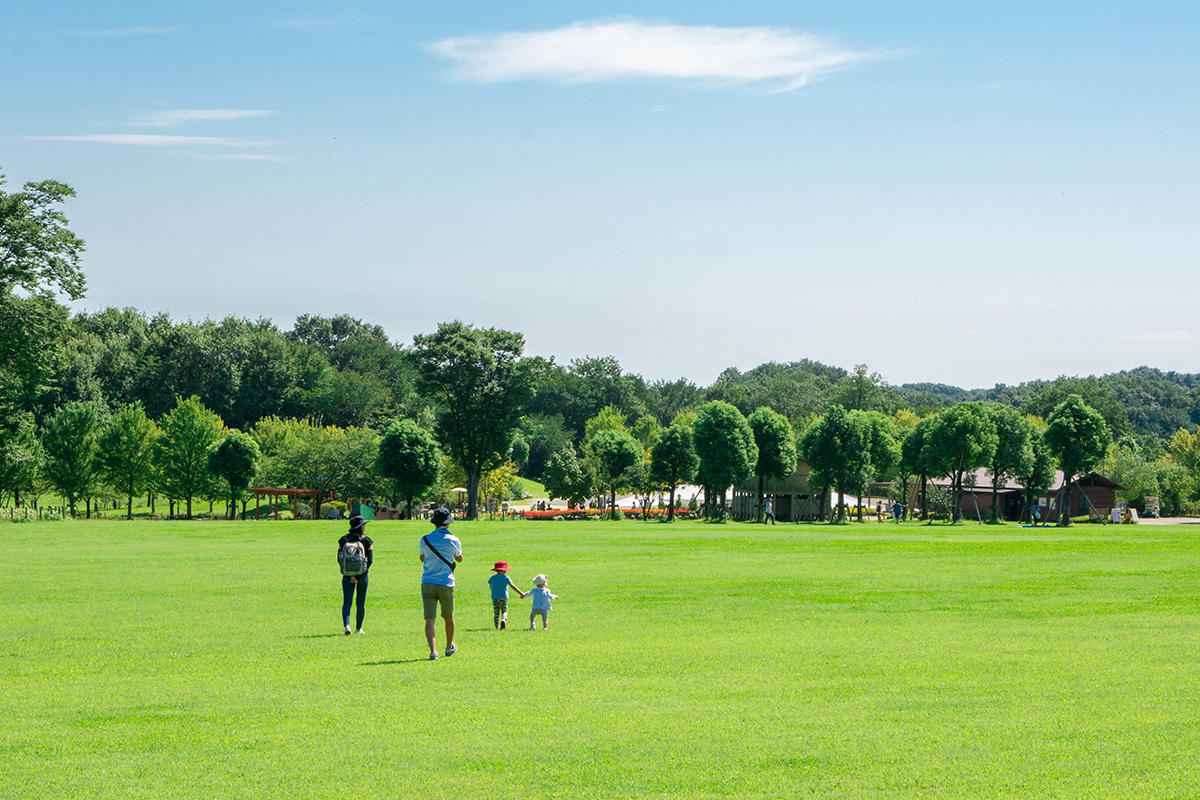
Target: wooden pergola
{"type": "Point", "coordinates": [276, 493]}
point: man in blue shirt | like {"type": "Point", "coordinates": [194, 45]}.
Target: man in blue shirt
{"type": "Point", "coordinates": [440, 551]}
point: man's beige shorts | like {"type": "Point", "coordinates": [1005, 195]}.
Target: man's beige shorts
{"type": "Point", "coordinates": [432, 594]}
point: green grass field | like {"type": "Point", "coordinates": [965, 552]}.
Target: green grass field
{"type": "Point", "coordinates": [206, 659]}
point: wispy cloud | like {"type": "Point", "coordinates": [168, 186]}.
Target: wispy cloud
{"type": "Point", "coordinates": [136, 30]}
{"type": "Point", "coordinates": [184, 116]}
{"type": "Point", "coordinates": [151, 140]}
{"type": "Point", "coordinates": [779, 58]}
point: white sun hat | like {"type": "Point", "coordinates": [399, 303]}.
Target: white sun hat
{"type": "Point", "coordinates": [539, 580]}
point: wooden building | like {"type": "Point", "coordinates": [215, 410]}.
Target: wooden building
{"type": "Point", "coordinates": [791, 499]}
{"type": "Point", "coordinates": [1090, 493]}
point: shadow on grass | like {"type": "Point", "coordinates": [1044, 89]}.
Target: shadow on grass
{"type": "Point", "coordinates": [393, 661]}
{"type": "Point", "coordinates": [320, 635]}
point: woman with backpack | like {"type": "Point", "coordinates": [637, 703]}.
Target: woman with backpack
{"type": "Point", "coordinates": [355, 555]}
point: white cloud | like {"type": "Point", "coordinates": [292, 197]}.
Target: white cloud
{"type": "Point", "coordinates": [150, 140]}
{"type": "Point", "coordinates": [137, 30]}
{"type": "Point", "coordinates": [780, 58]}
{"type": "Point", "coordinates": [183, 116]}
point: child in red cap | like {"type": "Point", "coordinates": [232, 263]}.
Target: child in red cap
{"type": "Point", "coordinates": [500, 583]}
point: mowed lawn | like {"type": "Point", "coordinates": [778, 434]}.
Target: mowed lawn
{"type": "Point", "coordinates": [176, 659]}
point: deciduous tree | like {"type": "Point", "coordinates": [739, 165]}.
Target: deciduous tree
{"type": "Point", "coordinates": [1078, 437]}
{"type": "Point", "coordinates": [235, 459]}
{"type": "Point", "coordinates": [674, 460]}
{"type": "Point", "coordinates": [409, 458]}
{"type": "Point", "coordinates": [125, 453]}
{"type": "Point", "coordinates": [1036, 475]}
{"type": "Point", "coordinates": [565, 477]}
{"type": "Point", "coordinates": [181, 452]}
{"type": "Point", "coordinates": [21, 458]}
{"type": "Point", "coordinates": [776, 443]}
{"type": "Point", "coordinates": [836, 447]}
{"type": "Point", "coordinates": [616, 452]}
{"type": "Point", "coordinates": [1013, 448]}
{"type": "Point", "coordinates": [481, 386]}
{"type": "Point", "coordinates": [70, 444]}
{"type": "Point", "coordinates": [962, 439]}
{"type": "Point", "coordinates": [725, 444]}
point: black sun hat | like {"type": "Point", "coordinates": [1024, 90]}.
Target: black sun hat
{"type": "Point", "coordinates": [441, 517]}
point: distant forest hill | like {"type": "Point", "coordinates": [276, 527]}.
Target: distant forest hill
{"type": "Point", "coordinates": [343, 371]}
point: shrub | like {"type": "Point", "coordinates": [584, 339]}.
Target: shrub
{"type": "Point", "coordinates": [336, 506]}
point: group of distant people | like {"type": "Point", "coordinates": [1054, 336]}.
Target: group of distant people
{"type": "Point", "coordinates": [440, 552]}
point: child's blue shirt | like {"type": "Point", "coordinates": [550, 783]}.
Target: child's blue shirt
{"type": "Point", "coordinates": [500, 583]}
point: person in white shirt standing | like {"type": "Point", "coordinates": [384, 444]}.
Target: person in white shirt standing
{"type": "Point", "coordinates": [440, 552]}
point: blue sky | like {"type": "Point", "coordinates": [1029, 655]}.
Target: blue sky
{"type": "Point", "coordinates": [967, 193]}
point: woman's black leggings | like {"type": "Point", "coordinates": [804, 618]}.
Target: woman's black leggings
{"type": "Point", "coordinates": [348, 590]}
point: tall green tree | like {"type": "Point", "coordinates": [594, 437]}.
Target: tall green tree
{"type": "Point", "coordinates": [1137, 475]}
{"type": "Point", "coordinates": [125, 453]}
{"type": "Point", "coordinates": [1013, 451]}
{"type": "Point", "coordinates": [302, 454]}
{"type": "Point", "coordinates": [409, 458]}
{"type": "Point", "coordinates": [1036, 475]}
{"type": "Point", "coordinates": [725, 444]}
{"type": "Point", "coordinates": [915, 460]}
{"type": "Point", "coordinates": [70, 444]}
{"type": "Point", "coordinates": [38, 252]}
{"type": "Point", "coordinates": [616, 452]}
{"type": "Point", "coordinates": [962, 439]}
{"type": "Point", "coordinates": [235, 459]}
{"type": "Point", "coordinates": [1095, 394]}
{"type": "Point", "coordinates": [836, 447]}
{"type": "Point", "coordinates": [39, 259]}
{"type": "Point", "coordinates": [357, 477]}
{"type": "Point", "coordinates": [883, 446]}
{"type": "Point", "coordinates": [566, 477]}
{"type": "Point", "coordinates": [181, 452]}
{"type": "Point", "coordinates": [674, 461]}
{"type": "Point", "coordinates": [864, 391]}
{"type": "Point", "coordinates": [776, 443]}
{"type": "Point", "coordinates": [481, 385]}
{"type": "Point", "coordinates": [1078, 438]}
{"type": "Point", "coordinates": [21, 458]}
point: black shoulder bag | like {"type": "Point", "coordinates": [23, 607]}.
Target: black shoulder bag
{"type": "Point", "coordinates": [449, 564]}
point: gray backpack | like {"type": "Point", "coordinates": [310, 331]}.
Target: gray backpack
{"type": "Point", "coordinates": [354, 558]}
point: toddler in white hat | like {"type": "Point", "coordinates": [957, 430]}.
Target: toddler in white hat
{"type": "Point", "coordinates": [541, 601]}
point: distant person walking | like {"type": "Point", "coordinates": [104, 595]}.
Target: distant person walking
{"type": "Point", "coordinates": [355, 554]}
{"type": "Point", "coordinates": [768, 513]}
{"type": "Point", "coordinates": [440, 551]}
{"type": "Point", "coordinates": [897, 511]}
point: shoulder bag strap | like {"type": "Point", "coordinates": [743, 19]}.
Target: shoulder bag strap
{"type": "Point", "coordinates": [444, 560]}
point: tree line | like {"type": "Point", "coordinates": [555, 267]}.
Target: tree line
{"type": "Point", "coordinates": [484, 404]}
